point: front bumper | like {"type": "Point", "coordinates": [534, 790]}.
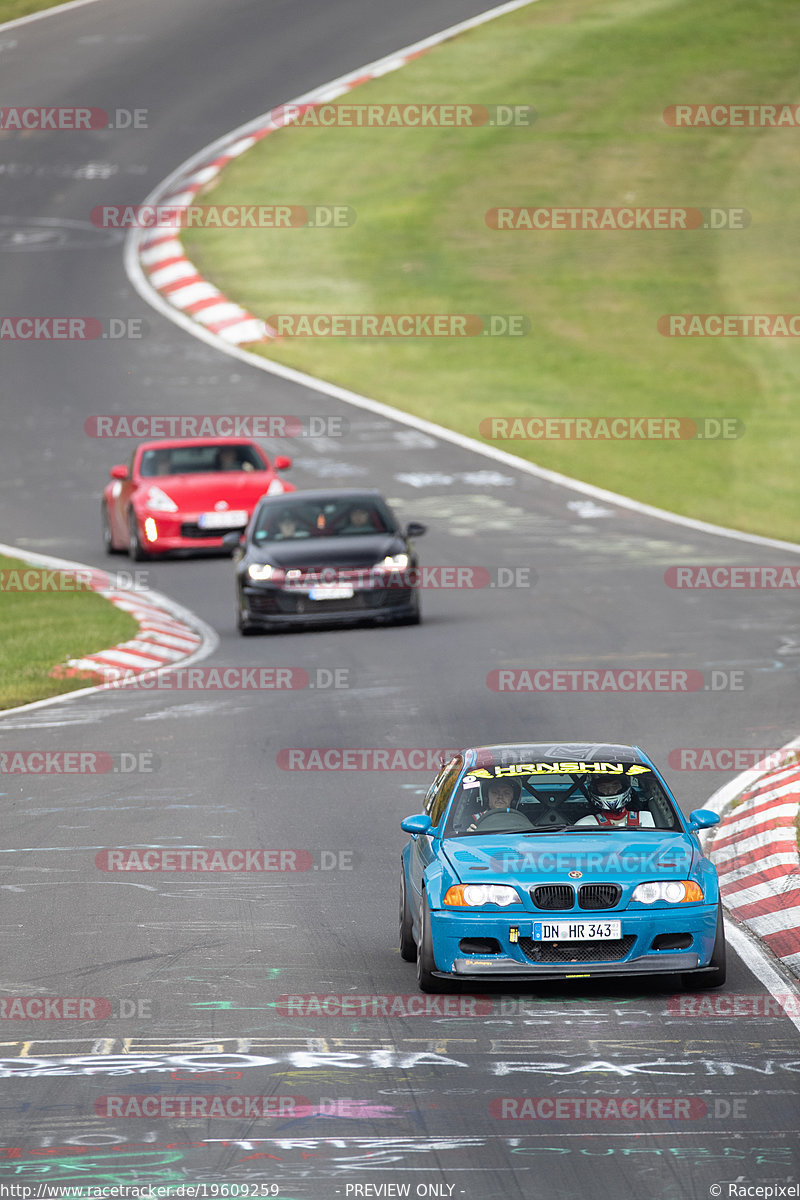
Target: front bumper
{"type": "Point", "coordinates": [180, 531]}
{"type": "Point", "coordinates": [283, 606]}
{"type": "Point", "coordinates": [691, 927]}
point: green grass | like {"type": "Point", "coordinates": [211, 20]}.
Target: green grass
{"type": "Point", "coordinates": [41, 629]}
{"type": "Point", "coordinates": [10, 9]}
{"type": "Point", "coordinates": [600, 73]}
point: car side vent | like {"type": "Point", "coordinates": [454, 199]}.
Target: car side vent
{"type": "Point", "coordinates": [553, 896]}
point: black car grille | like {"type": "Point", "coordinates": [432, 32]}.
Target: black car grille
{"type": "Point", "coordinates": [190, 529]}
{"type": "Point", "coordinates": [598, 895]}
{"type": "Point", "coordinates": [262, 602]}
{"type": "Point", "coordinates": [560, 896]}
{"type": "Point", "coordinates": [291, 602]}
{"type": "Point", "coordinates": [576, 952]}
{"type": "Point", "coordinates": [553, 896]}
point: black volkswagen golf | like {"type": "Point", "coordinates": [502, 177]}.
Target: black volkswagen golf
{"type": "Point", "coordinates": [332, 557]}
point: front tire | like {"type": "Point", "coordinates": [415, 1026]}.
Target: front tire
{"type": "Point", "coordinates": [426, 964]}
{"type": "Point", "coordinates": [414, 617]}
{"type": "Point", "coordinates": [715, 978]}
{"type": "Point", "coordinates": [408, 947]}
{"type": "Point", "coordinates": [242, 624]}
{"type": "Point", "coordinates": [135, 549]}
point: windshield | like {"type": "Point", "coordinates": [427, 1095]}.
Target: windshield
{"type": "Point", "coordinates": [294, 520]}
{"type": "Point", "coordinates": [546, 796]}
{"type": "Point", "coordinates": [195, 460]}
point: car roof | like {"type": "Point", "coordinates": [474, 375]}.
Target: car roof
{"type": "Point", "coordinates": [185, 443]}
{"type": "Point", "coordinates": [318, 494]}
{"type": "Point", "coordinates": [559, 752]}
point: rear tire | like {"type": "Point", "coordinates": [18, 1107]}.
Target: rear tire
{"type": "Point", "coordinates": [408, 947]}
{"type": "Point", "coordinates": [108, 541]}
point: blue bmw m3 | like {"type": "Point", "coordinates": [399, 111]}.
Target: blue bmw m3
{"type": "Point", "coordinates": [545, 861]}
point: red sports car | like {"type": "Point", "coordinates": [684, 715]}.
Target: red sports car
{"type": "Point", "coordinates": [186, 494]}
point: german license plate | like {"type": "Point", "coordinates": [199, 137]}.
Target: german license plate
{"type": "Point", "coordinates": [331, 593]}
{"type": "Point", "coordinates": [222, 520]}
{"type": "Point", "coordinates": [576, 931]}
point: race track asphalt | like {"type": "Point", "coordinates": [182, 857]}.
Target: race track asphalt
{"type": "Point", "coordinates": [194, 964]}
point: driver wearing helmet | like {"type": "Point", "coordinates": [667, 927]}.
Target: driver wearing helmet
{"type": "Point", "coordinates": [612, 798]}
{"type": "Point", "coordinates": [497, 795]}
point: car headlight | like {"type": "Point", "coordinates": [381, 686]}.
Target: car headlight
{"type": "Point", "coordinates": [159, 501]}
{"type": "Point", "coordinates": [674, 891]}
{"type": "Point", "coordinates": [393, 562]}
{"type": "Point", "coordinates": [260, 571]}
{"type": "Point", "coordinates": [475, 895]}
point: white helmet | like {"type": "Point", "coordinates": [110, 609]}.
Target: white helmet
{"type": "Point", "coordinates": [616, 799]}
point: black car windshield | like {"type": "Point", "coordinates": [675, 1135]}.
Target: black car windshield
{"type": "Point", "coordinates": [539, 796]}
{"type": "Point", "coordinates": [196, 460]}
{"type": "Point", "coordinates": [295, 520]}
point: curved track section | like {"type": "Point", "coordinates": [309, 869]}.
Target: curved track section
{"type": "Point", "coordinates": [188, 973]}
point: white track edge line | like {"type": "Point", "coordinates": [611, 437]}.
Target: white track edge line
{"type": "Point", "coordinates": [209, 636]}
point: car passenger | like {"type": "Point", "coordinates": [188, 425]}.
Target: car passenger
{"type": "Point", "coordinates": [359, 521]}
{"type": "Point", "coordinates": [615, 807]}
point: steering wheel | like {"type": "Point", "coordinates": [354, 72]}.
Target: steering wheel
{"type": "Point", "coordinates": [501, 820]}
{"type": "Point", "coordinates": [551, 816]}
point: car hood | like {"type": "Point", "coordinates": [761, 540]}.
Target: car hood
{"type": "Point", "coordinates": [238, 489]}
{"type": "Point", "coordinates": [549, 858]}
{"type": "Point", "coordinates": [363, 550]}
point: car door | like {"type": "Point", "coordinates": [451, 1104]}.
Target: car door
{"type": "Point", "coordinates": [423, 847]}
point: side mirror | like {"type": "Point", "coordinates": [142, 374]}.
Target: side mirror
{"type": "Point", "coordinates": [233, 540]}
{"type": "Point", "coordinates": [119, 472]}
{"type": "Point", "coordinates": [703, 818]}
{"type": "Point", "coordinates": [416, 825]}
{"type": "Point", "coordinates": [415, 529]}
{"type": "Point", "coordinates": [281, 462]}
